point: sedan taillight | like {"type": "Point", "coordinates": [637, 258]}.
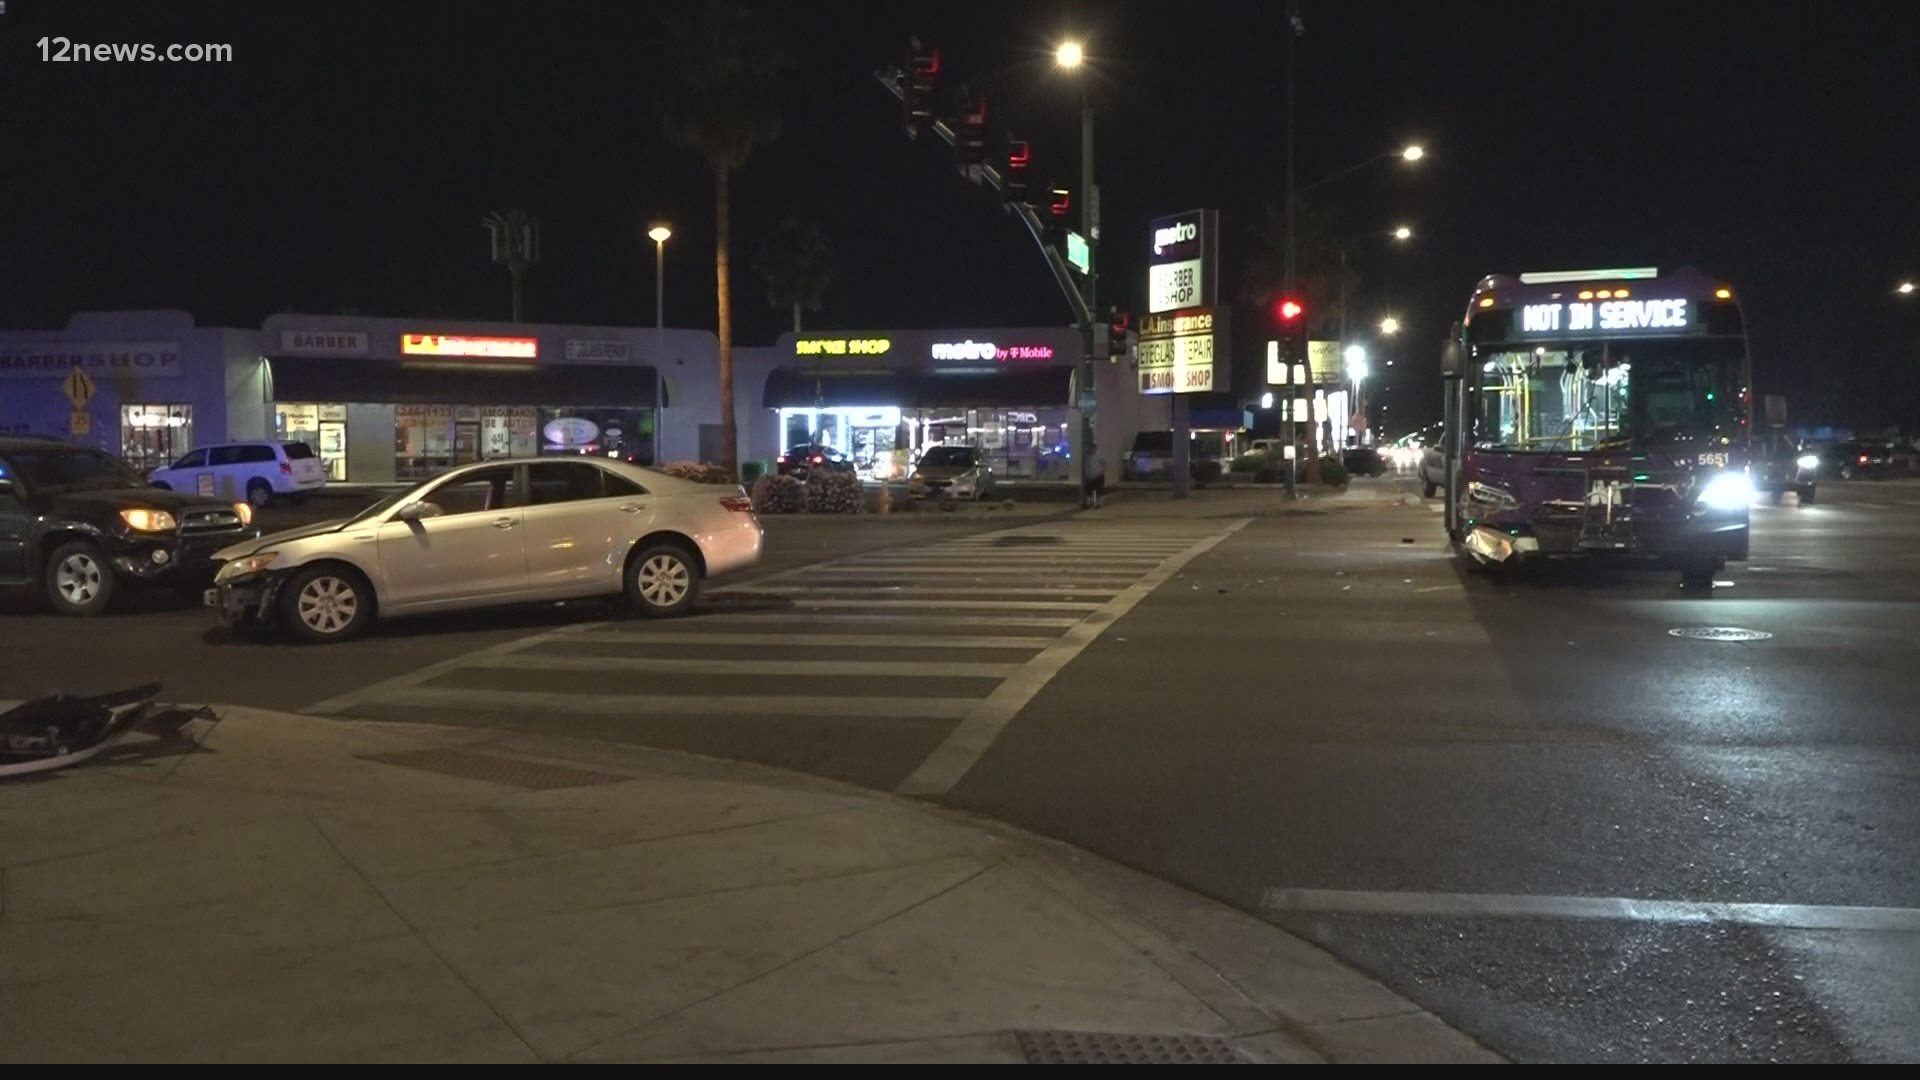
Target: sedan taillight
{"type": "Point", "coordinates": [286, 468]}
{"type": "Point", "coordinates": [739, 504]}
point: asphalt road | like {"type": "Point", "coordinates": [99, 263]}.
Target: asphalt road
{"type": "Point", "coordinates": [1518, 799]}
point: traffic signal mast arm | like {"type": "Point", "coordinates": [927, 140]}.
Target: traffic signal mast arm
{"type": "Point", "coordinates": [991, 176]}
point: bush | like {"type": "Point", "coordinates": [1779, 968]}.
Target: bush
{"type": "Point", "coordinates": [1204, 472]}
{"type": "Point", "coordinates": [779, 495]}
{"type": "Point", "coordinates": [697, 471]}
{"type": "Point", "coordinates": [834, 492]}
{"type": "Point", "coordinates": [1333, 471]}
{"type": "Point", "coordinates": [1248, 463]}
{"type": "Point", "coordinates": [1270, 472]}
{"type": "Point", "coordinates": [751, 471]}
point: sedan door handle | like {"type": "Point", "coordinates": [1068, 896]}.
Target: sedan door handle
{"type": "Point", "coordinates": [632, 508]}
{"type": "Point", "coordinates": [503, 523]}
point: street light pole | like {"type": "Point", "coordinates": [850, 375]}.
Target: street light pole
{"type": "Point", "coordinates": [1294, 29]}
{"type": "Point", "coordinates": [1070, 57]}
{"type": "Point", "coordinates": [659, 234]}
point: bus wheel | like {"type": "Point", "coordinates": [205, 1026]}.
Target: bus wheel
{"type": "Point", "coordinates": [1698, 574]}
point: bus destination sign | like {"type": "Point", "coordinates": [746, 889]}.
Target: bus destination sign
{"type": "Point", "coordinates": [1607, 316]}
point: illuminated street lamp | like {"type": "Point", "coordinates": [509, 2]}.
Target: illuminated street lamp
{"type": "Point", "coordinates": [1356, 358]}
{"type": "Point", "coordinates": [1389, 326]}
{"type": "Point", "coordinates": [1413, 152]}
{"type": "Point", "coordinates": [1906, 288]}
{"type": "Point", "coordinates": [1069, 55]}
{"type": "Point", "coordinates": [1403, 232]}
{"type": "Point", "coordinates": [659, 235]}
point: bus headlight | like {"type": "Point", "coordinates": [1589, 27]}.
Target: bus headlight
{"type": "Point", "coordinates": [1498, 498]}
{"type": "Point", "coordinates": [1808, 461]}
{"type": "Point", "coordinates": [1727, 492]}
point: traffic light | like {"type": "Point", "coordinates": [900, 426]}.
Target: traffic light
{"type": "Point", "coordinates": [1293, 330]}
{"type": "Point", "coordinates": [1059, 205]}
{"type": "Point", "coordinates": [970, 132]}
{"type": "Point", "coordinates": [918, 76]}
{"type": "Point", "coordinates": [1013, 178]}
{"type": "Point", "coordinates": [1119, 325]}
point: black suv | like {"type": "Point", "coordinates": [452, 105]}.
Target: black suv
{"type": "Point", "coordinates": [82, 524]}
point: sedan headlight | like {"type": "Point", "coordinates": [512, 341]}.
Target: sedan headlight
{"type": "Point", "coordinates": [1808, 461]}
{"type": "Point", "coordinates": [140, 519]}
{"type": "Point", "coordinates": [245, 566]}
{"type": "Point", "coordinates": [244, 511]}
{"type": "Point", "coordinates": [1727, 492]}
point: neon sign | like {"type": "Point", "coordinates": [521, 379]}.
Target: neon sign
{"type": "Point", "coordinates": [987, 350]}
{"type": "Point", "coordinates": [466, 345]}
{"type": "Point", "coordinates": [841, 346]}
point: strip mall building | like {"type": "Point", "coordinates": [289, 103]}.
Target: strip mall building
{"type": "Point", "coordinates": [385, 399]}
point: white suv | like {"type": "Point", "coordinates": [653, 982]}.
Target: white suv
{"type": "Point", "coordinates": [254, 471]}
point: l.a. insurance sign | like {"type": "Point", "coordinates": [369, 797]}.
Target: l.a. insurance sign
{"type": "Point", "coordinates": [1181, 352]}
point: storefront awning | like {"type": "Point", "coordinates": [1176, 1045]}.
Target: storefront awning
{"type": "Point", "coordinates": [1049, 387]}
{"type": "Point", "coordinates": [385, 382]}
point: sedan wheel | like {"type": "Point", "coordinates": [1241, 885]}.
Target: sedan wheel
{"type": "Point", "coordinates": [325, 604]}
{"type": "Point", "coordinates": [79, 581]}
{"type": "Point", "coordinates": [662, 580]}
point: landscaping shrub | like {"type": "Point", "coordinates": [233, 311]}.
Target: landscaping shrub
{"type": "Point", "coordinates": [779, 495]}
{"type": "Point", "coordinates": [834, 492]}
{"type": "Point", "coordinates": [1333, 471]}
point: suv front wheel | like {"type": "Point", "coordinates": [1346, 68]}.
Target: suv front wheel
{"type": "Point", "coordinates": [79, 579]}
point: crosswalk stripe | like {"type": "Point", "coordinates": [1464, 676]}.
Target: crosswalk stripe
{"type": "Point", "coordinates": [650, 665]}
{"type": "Point", "coordinates": [863, 641]}
{"type": "Point", "coordinates": [1014, 605]}
{"type": "Point", "coordinates": [961, 571]}
{"type": "Point", "coordinates": [541, 701]}
{"type": "Point", "coordinates": [961, 589]}
{"type": "Point", "coordinates": [802, 619]}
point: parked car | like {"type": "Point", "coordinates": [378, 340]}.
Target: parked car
{"type": "Point", "coordinates": [255, 471]}
{"type": "Point", "coordinates": [1433, 465]}
{"type": "Point", "coordinates": [82, 525]}
{"type": "Point", "coordinates": [1781, 464]}
{"type": "Point", "coordinates": [798, 461]}
{"type": "Point", "coordinates": [493, 533]}
{"type": "Point", "coordinates": [1853, 459]}
{"type": "Point", "coordinates": [1363, 461]}
{"type": "Point", "coordinates": [950, 472]}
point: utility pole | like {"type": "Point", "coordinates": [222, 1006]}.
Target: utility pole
{"type": "Point", "coordinates": [1295, 28]}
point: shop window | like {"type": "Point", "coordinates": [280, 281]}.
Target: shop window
{"type": "Point", "coordinates": [152, 436]}
{"type": "Point", "coordinates": [320, 426]}
{"type": "Point", "coordinates": [423, 440]}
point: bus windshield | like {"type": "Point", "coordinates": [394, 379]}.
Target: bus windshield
{"type": "Point", "coordinates": [1606, 395]}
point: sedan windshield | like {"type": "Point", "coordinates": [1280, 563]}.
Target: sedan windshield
{"type": "Point", "coordinates": [64, 468]}
{"type": "Point", "coordinates": [947, 457]}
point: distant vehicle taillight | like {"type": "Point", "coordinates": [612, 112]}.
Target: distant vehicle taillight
{"type": "Point", "coordinates": [1863, 459]}
{"type": "Point", "coordinates": [783, 459]}
{"type": "Point", "coordinates": [739, 504]}
{"type": "Point", "coordinates": [817, 459]}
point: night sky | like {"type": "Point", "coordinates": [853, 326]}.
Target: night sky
{"type": "Point", "coordinates": [343, 160]}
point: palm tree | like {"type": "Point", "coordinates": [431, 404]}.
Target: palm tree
{"type": "Point", "coordinates": [514, 236]}
{"type": "Point", "coordinates": [721, 98]}
{"type": "Point", "coordinates": [798, 267]}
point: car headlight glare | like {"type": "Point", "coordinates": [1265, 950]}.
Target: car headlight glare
{"type": "Point", "coordinates": [245, 566]}
{"type": "Point", "coordinates": [1727, 492]}
{"type": "Point", "coordinates": [140, 519]}
{"type": "Point", "coordinates": [244, 511]}
{"type": "Point", "coordinates": [1808, 461]}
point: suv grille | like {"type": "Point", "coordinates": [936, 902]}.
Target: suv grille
{"type": "Point", "coordinates": [210, 523]}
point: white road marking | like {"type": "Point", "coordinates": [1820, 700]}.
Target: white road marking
{"type": "Point", "coordinates": [973, 736]}
{"type": "Point", "coordinates": [538, 702]}
{"type": "Point", "coordinates": [936, 618]}
{"type": "Point", "coordinates": [380, 690]}
{"type": "Point", "coordinates": [1628, 909]}
{"type": "Point", "coordinates": [954, 588]}
{"type": "Point", "coordinates": [651, 665]}
{"type": "Point", "coordinates": [1025, 605]}
{"type": "Point", "coordinates": [864, 641]}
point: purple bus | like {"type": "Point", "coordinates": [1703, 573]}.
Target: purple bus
{"type": "Point", "coordinates": [1599, 412]}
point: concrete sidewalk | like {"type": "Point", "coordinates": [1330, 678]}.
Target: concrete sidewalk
{"type": "Point", "coordinates": [289, 889]}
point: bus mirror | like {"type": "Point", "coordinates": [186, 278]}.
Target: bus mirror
{"type": "Point", "coordinates": [1452, 359]}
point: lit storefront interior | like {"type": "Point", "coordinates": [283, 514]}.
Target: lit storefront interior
{"type": "Point", "coordinates": [154, 436]}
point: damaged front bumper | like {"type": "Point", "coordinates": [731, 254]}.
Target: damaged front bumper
{"type": "Point", "coordinates": [245, 601]}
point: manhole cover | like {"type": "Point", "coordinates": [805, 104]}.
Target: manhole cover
{"type": "Point", "coordinates": [1113, 1048]}
{"type": "Point", "coordinates": [1017, 541]}
{"type": "Point", "coordinates": [1719, 633]}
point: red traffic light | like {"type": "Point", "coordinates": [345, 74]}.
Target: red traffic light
{"type": "Point", "coordinates": [1062, 202]}
{"type": "Point", "coordinates": [1290, 310]}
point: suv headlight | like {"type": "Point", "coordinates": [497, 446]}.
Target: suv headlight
{"type": "Point", "coordinates": [140, 519]}
{"type": "Point", "coordinates": [1727, 492]}
{"type": "Point", "coordinates": [1808, 461]}
{"type": "Point", "coordinates": [245, 566]}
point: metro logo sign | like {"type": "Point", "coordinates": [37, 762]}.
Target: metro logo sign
{"type": "Point", "coordinates": [513, 348]}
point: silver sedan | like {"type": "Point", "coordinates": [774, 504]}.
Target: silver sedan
{"type": "Point", "coordinates": [496, 532]}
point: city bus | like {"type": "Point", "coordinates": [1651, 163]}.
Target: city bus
{"type": "Point", "coordinates": [1599, 413]}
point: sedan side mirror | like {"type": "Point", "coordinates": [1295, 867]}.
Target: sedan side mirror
{"type": "Point", "coordinates": [416, 511]}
